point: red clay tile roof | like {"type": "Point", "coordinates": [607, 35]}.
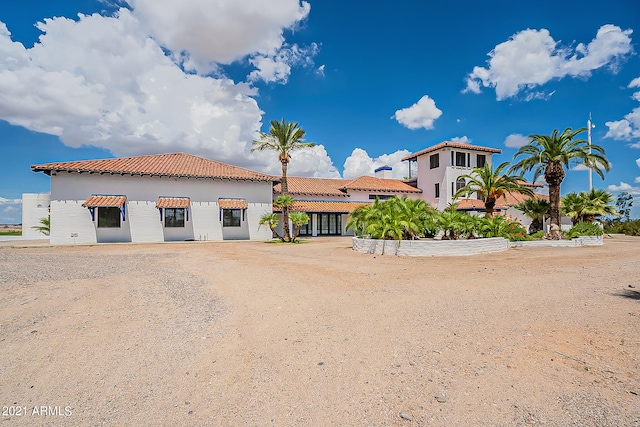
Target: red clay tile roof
{"type": "Point", "coordinates": [530, 184]}
{"type": "Point", "coordinates": [314, 186]}
{"type": "Point", "coordinates": [451, 144]}
{"type": "Point", "coordinates": [370, 183]}
{"type": "Point", "coordinates": [232, 204]}
{"type": "Point", "coordinates": [339, 187]}
{"type": "Point", "coordinates": [512, 199]}
{"type": "Point", "coordinates": [323, 207]}
{"type": "Point", "coordinates": [174, 164]}
{"type": "Point", "coordinates": [104, 201]}
{"type": "Point", "coordinates": [173, 202]}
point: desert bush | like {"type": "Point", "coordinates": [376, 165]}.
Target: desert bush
{"type": "Point", "coordinates": [584, 229]}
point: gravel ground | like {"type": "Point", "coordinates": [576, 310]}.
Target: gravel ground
{"type": "Point", "coordinates": [258, 334]}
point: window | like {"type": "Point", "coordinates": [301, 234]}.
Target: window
{"type": "Point", "coordinates": [173, 217]}
{"type": "Point", "coordinates": [109, 217]}
{"type": "Point", "coordinates": [307, 229]}
{"type": "Point", "coordinates": [231, 217]}
{"type": "Point", "coordinates": [460, 183]}
{"type": "Point", "coordinates": [481, 160]}
{"type": "Point", "coordinates": [437, 190]}
{"type": "Point", "coordinates": [434, 161]}
{"type": "Point", "coordinates": [330, 224]}
{"type": "Point", "coordinates": [461, 159]}
{"type": "Point", "coordinates": [379, 196]}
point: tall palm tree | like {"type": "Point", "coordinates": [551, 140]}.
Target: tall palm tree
{"type": "Point", "coordinates": [551, 154]}
{"type": "Point", "coordinates": [536, 209]}
{"type": "Point", "coordinates": [491, 185]}
{"type": "Point", "coordinates": [283, 138]}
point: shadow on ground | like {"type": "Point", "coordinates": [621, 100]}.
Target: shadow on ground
{"type": "Point", "coordinates": [628, 293]}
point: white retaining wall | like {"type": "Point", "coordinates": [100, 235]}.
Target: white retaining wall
{"type": "Point", "coordinates": [459, 247]}
{"type": "Point", "coordinates": [578, 241]}
{"type": "Point", "coordinates": [430, 247]}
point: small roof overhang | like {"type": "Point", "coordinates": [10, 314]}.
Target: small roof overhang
{"type": "Point", "coordinates": [232, 204]}
{"type": "Point", "coordinates": [105, 201]}
{"type": "Point", "coordinates": [173, 202]}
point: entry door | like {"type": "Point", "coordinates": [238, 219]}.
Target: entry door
{"type": "Point", "coordinates": [329, 224]}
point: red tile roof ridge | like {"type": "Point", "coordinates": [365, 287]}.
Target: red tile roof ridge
{"type": "Point", "coordinates": [372, 183]}
{"type": "Point", "coordinates": [169, 164]}
{"type": "Point", "coordinates": [452, 144]}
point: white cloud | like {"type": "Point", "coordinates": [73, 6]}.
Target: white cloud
{"type": "Point", "coordinates": [422, 114]}
{"type": "Point", "coordinates": [4, 201]}
{"type": "Point", "coordinates": [463, 139]}
{"type": "Point", "coordinates": [203, 33]}
{"type": "Point", "coordinates": [532, 58]}
{"type": "Point", "coordinates": [638, 162]}
{"type": "Point", "coordinates": [628, 128]}
{"type": "Point", "coordinates": [312, 162]}
{"type": "Point", "coordinates": [320, 70]}
{"type": "Point", "coordinates": [579, 167]}
{"type": "Point", "coordinates": [276, 69]}
{"type": "Point", "coordinates": [360, 163]}
{"type": "Point", "coordinates": [637, 181]}
{"type": "Point", "coordinates": [103, 81]}
{"type": "Point", "coordinates": [625, 187]}
{"type": "Point", "coordinates": [543, 190]}
{"type": "Point", "coordinates": [516, 140]}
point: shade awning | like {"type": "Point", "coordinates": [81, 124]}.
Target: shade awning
{"type": "Point", "coordinates": [323, 206]}
{"type": "Point", "coordinates": [232, 204]}
{"type": "Point", "coordinates": [173, 202]}
{"type": "Point", "coordinates": [104, 201]}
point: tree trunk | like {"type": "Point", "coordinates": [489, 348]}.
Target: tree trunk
{"type": "Point", "coordinates": [285, 209]}
{"type": "Point", "coordinates": [489, 206]}
{"type": "Point", "coordinates": [536, 225]}
{"type": "Point", "coordinates": [554, 174]}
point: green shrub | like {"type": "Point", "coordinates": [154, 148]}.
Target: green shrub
{"type": "Point", "coordinates": [537, 235]}
{"type": "Point", "coordinates": [584, 229]}
{"type": "Point", "coordinates": [630, 228]}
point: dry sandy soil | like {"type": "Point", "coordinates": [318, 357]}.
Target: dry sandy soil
{"type": "Point", "coordinates": [259, 334]}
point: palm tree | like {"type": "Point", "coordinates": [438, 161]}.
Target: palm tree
{"type": "Point", "coordinates": [45, 225]}
{"type": "Point", "coordinates": [586, 206]}
{"type": "Point", "coordinates": [572, 205]}
{"type": "Point", "coordinates": [271, 220]}
{"type": "Point", "coordinates": [283, 138]}
{"type": "Point", "coordinates": [550, 154]}
{"type": "Point", "coordinates": [491, 185]}
{"type": "Point", "coordinates": [536, 209]}
{"type": "Point", "coordinates": [298, 219]}
{"type": "Point", "coordinates": [450, 221]}
{"type": "Point", "coordinates": [358, 219]}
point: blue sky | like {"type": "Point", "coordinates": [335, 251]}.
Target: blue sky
{"type": "Point", "coordinates": [369, 81]}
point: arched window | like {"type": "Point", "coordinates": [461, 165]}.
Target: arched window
{"type": "Point", "coordinates": [460, 183]}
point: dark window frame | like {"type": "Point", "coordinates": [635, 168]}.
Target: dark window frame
{"type": "Point", "coordinates": [434, 161]}
{"type": "Point", "coordinates": [229, 218]}
{"type": "Point", "coordinates": [437, 190]}
{"type": "Point", "coordinates": [107, 216]}
{"type": "Point", "coordinates": [481, 163]}
{"type": "Point", "coordinates": [171, 221]}
{"type": "Point", "coordinates": [461, 159]}
{"type": "Point", "coordinates": [460, 183]}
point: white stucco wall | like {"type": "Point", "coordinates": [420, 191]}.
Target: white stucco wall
{"type": "Point", "coordinates": [445, 175]}
{"type": "Point", "coordinates": [35, 206]}
{"type": "Point", "coordinates": [71, 223]}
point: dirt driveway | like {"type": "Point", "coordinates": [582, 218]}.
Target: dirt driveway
{"type": "Point", "coordinates": [259, 334]}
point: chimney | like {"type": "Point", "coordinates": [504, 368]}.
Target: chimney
{"type": "Point", "coordinates": [384, 172]}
